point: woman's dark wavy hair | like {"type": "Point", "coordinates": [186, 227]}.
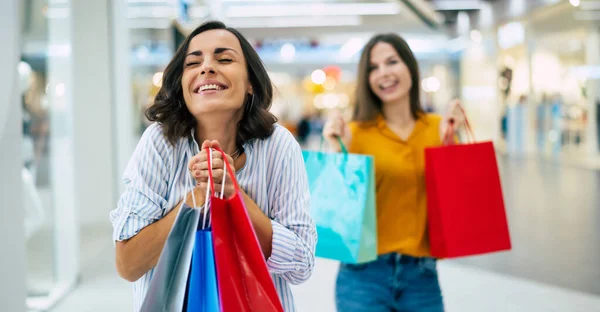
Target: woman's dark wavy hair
{"type": "Point", "coordinates": [170, 110]}
{"type": "Point", "coordinates": [368, 105]}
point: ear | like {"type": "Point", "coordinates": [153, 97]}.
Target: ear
{"type": "Point", "coordinates": [250, 91]}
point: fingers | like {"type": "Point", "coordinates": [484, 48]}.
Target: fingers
{"type": "Point", "coordinates": [216, 164]}
{"type": "Point", "coordinates": [215, 144]}
{"type": "Point", "coordinates": [206, 144]}
{"type": "Point", "coordinates": [202, 157]}
{"type": "Point", "coordinates": [333, 128]}
{"type": "Point", "coordinates": [229, 187]}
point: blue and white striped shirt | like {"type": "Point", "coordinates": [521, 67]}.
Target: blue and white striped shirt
{"type": "Point", "coordinates": [274, 176]}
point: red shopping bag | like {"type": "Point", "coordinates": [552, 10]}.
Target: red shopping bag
{"type": "Point", "coordinates": [242, 276]}
{"type": "Point", "coordinates": [465, 205]}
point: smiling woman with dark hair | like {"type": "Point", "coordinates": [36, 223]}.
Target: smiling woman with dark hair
{"type": "Point", "coordinates": [216, 91]}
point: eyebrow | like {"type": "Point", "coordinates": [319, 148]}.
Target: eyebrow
{"type": "Point", "coordinates": [387, 59]}
{"type": "Point", "coordinates": [217, 51]}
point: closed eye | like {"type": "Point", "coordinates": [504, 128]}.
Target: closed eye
{"type": "Point", "coordinates": [191, 64]}
{"type": "Point", "coordinates": [226, 60]}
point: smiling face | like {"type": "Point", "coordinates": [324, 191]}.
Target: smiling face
{"type": "Point", "coordinates": [215, 75]}
{"type": "Point", "coordinates": [389, 77]}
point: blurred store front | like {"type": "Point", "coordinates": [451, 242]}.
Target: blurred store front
{"type": "Point", "coordinates": [531, 85]}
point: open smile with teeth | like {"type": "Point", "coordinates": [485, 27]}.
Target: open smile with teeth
{"type": "Point", "coordinates": [388, 84]}
{"type": "Point", "coordinates": [209, 87]}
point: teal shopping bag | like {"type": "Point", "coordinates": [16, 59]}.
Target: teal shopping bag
{"type": "Point", "coordinates": [342, 203]}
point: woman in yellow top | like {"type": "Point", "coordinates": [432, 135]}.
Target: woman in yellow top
{"type": "Point", "coordinates": [390, 124]}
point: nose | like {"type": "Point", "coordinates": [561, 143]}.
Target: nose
{"type": "Point", "coordinates": [383, 70]}
{"type": "Point", "coordinates": [207, 67]}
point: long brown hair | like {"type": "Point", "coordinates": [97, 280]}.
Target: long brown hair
{"type": "Point", "coordinates": [368, 105]}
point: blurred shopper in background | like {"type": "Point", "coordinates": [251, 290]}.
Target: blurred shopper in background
{"type": "Point", "coordinates": [543, 122]}
{"type": "Point", "coordinates": [390, 124]}
{"type": "Point", "coordinates": [517, 126]}
{"type": "Point", "coordinates": [215, 90]}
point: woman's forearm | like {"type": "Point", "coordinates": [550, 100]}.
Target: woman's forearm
{"type": "Point", "coordinates": [139, 254]}
{"type": "Point", "coordinates": [261, 224]}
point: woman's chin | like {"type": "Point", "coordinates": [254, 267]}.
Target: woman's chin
{"type": "Point", "coordinates": [393, 98]}
{"type": "Point", "coordinates": [213, 109]}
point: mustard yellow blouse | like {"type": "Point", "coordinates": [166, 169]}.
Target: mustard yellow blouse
{"type": "Point", "coordinates": [400, 181]}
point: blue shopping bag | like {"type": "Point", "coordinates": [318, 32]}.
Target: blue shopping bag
{"type": "Point", "coordinates": [203, 294]}
{"type": "Point", "coordinates": [342, 203]}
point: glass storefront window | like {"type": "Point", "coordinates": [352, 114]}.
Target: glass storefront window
{"type": "Point", "coordinates": [47, 172]}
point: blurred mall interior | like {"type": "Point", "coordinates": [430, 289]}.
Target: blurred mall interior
{"type": "Point", "coordinates": [526, 71]}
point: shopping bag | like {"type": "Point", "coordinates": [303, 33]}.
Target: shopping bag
{"type": "Point", "coordinates": [167, 288]}
{"type": "Point", "coordinates": [242, 276]}
{"type": "Point", "coordinates": [342, 203]}
{"type": "Point", "coordinates": [203, 295]}
{"type": "Point", "coordinates": [465, 204]}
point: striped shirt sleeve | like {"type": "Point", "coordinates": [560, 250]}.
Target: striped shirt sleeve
{"type": "Point", "coordinates": [146, 185]}
{"type": "Point", "coordinates": [294, 231]}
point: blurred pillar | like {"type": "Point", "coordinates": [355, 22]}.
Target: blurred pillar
{"type": "Point", "coordinates": [61, 91]}
{"type": "Point", "coordinates": [529, 118]}
{"type": "Point", "coordinates": [12, 245]}
{"type": "Point", "coordinates": [94, 109]}
{"type": "Point", "coordinates": [124, 128]}
{"type": "Point", "coordinates": [593, 91]}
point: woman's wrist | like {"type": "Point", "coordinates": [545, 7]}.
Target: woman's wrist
{"type": "Point", "coordinates": [198, 195]}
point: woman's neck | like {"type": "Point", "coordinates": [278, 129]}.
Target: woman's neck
{"type": "Point", "coordinates": [224, 132]}
{"type": "Point", "coordinates": [398, 113]}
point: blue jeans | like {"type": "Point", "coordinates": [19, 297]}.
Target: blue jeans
{"type": "Point", "coordinates": [393, 282]}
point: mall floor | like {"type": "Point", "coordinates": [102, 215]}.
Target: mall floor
{"type": "Point", "coordinates": [554, 215]}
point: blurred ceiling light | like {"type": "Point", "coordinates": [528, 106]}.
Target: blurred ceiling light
{"type": "Point", "coordinates": [287, 52]}
{"type": "Point", "coordinates": [199, 12]}
{"type": "Point", "coordinates": [288, 22]}
{"type": "Point", "coordinates": [60, 89]}
{"type": "Point", "coordinates": [323, 9]}
{"type": "Point", "coordinates": [517, 7]}
{"type": "Point", "coordinates": [463, 23]}
{"type": "Point", "coordinates": [510, 35]}
{"type": "Point", "coordinates": [268, 1]}
{"type": "Point", "coordinates": [318, 77]}
{"type": "Point", "coordinates": [476, 36]}
{"type": "Point", "coordinates": [457, 5]}
{"type": "Point", "coordinates": [148, 1]}
{"type": "Point", "coordinates": [24, 69]}
{"type": "Point", "coordinates": [351, 47]}
{"type": "Point", "coordinates": [575, 3]}
{"type": "Point", "coordinates": [59, 50]}
{"type": "Point", "coordinates": [163, 11]}
{"type": "Point", "coordinates": [431, 84]}
{"type": "Point", "coordinates": [331, 100]}
{"type": "Point", "coordinates": [457, 44]}
{"type": "Point", "coordinates": [157, 79]}
{"type": "Point", "coordinates": [426, 45]}
{"type": "Point", "coordinates": [149, 23]}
